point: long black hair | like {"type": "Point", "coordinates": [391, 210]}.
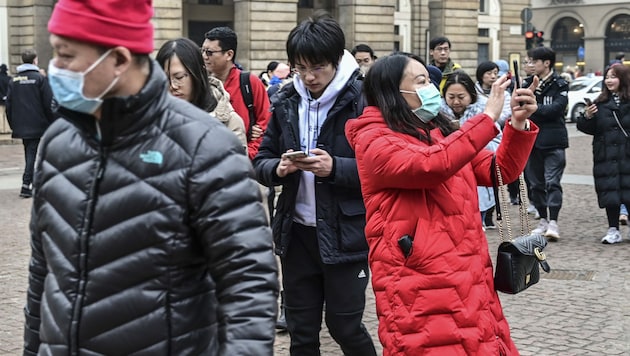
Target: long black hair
{"type": "Point", "coordinates": [623, 74]}
{"type": "Point", "coordinates": [190, 56]}
{"type": "Point", "coordinates": [382, 89]}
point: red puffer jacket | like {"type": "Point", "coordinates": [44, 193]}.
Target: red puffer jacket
{"type": "Point", "coordinates": [441, 299]}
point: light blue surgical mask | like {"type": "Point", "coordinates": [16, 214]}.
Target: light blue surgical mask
{"type": "Point", "coordinates": [67, 87]}
{"type": "Point", "coordinates": [430, 100]}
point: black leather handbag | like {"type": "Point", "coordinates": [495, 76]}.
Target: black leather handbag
{"type": "Point", "coordinates": [517, 259]}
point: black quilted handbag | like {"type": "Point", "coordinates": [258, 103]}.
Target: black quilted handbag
{"type": "Point", "coordinates": [517, 259]}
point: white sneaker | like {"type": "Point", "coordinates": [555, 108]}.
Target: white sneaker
{"type": "Point", "coordinates": [541, 228]}
{"type": "Point", "coordinates": [552, 233]}
{"type": "Point", "coordinates": [531, 209]}
{"type": "Point", "coordinates": [612, 236]}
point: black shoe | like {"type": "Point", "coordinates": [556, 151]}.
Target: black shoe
{"type": "Point", "coordinates": [26, 191]}
{"type": "Point", "coordinates": [281, 323]}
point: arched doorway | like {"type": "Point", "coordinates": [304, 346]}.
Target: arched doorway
{"type": "Point", "coordinates": [567, 36]}
{"type": "Point", "coordinates": [617, 37]}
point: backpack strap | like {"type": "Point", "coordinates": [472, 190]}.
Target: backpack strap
{"type": "Point", "coordinates": [248, 99]}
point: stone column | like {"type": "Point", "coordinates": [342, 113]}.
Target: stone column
{"type": "Point", "coordinates": [458, 21]}
{"type": "Point", "coordinates": [263, 28]}
{"type": "Point", "coordinates": [28, 28]}
{"type": "Point", "coordinates": [167, 21]}
{"type": "Point", "coordinates": [594, 54]}
{"type": "Point", "coordinates": [368, 21]}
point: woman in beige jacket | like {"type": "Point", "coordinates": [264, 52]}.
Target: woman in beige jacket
{"type": "Point", "coordinates": [188, 80]}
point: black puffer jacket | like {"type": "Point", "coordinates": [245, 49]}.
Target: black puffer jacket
{"type": "Point", "coordinates": [151, 241]}
{"type": "Point", "coordinates": [611, 152]}
{"type": "Point", "coordinates": [552, 101]}
{"type": "Point", "coordinates": [339, 205]}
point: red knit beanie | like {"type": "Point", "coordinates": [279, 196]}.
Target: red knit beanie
{"type": "Point", "coordinates": [108, 23]}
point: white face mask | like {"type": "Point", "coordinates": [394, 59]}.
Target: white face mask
{"type": "Point", "coordinates": [67, 87]}
{"type": "Point", "coordinates": [430, 101]}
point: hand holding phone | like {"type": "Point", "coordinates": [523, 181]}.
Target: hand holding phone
{"type": "Point", "coordinates": [294, 154]}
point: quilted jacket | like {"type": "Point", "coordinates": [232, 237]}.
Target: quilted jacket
{"type": "Point", "coordinates": [440, 300]}
{"type": "Point", "coordinates": [150, 240]}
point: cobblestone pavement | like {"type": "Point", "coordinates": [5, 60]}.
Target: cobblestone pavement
{"type": "Point", "coordinates": [581, 308]}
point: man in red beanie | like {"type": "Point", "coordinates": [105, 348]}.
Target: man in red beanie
{"type": "Point", "coordinates": [147, 233]}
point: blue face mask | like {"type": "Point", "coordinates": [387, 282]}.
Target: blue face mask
{"type": "Point", "coordinates": [67, 87]}
{"type": "Point", "coordinates": [430, 100]}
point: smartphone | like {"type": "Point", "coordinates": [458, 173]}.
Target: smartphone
{"type": "Point", "coordinates": [294, 154]}
{"type": "Point", "coordinates": [516, 77]}
{"type": "Point", "coordinates": [588, 101]}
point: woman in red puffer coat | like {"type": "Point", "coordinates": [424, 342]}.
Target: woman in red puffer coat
{"type": "Point", "coordinates": [432, 273]}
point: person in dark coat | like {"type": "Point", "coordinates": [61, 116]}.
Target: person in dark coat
{"type": "Point", "coordinates": [319, 222]}
{"type": "Point", "coordinates": [29, 112]}
{"type": "Point", "coordinates": [148, 234]}
{"type": "Point", "coordinates": [608, 120]}
{"type": "Point", "coordinates": [5, 79]}
{"type": "Point", "coordinates": [548, 158]}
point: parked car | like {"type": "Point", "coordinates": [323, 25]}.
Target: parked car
{"type": "Point", "coordinates": [580, 88]}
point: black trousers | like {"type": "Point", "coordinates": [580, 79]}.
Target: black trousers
{"type": "Point", "coordinates": [544, 171]}
{"type": "Point", "coordinates": [309, 284]}
{"type": "Point", "coordinates": [30, 152]}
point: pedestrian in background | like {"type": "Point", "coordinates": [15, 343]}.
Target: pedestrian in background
{"type": "Point", "coordinates": [147, 233]}
{"type": "Point", "coordinates": [29, 112]}
{"type": "Point", "coordinates": [5, 80]}
{"type": "Point", "coordinates": [432, 273]}
{"type": "Point", "coordinates": [188, 79]}
{"type": "Point", "coordinates": [319, 222]}
{"type": "Point", "coordinates": [548, 159]}
{"type": "Point", "coordinates": [608, 120]}
{"type": "Point", "coordinates": [461, 103]}
{"type": "Point", "coordinates": [364, 56]}
{"type": "Point", "coordinates": [440, 51]}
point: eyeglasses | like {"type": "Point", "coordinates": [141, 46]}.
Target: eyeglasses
{"type": "Point", "coordinates": [209, 52]}
{"type": "Point", "coordinates": [442, 49]}
{"type": "Point", "coordinates": [178, 80]}
{"type": "Point", "coordinates": [315, 71]}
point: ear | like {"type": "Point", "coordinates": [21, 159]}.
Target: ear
{"type": "Point", "coordinates": [124, 59]}
{"type": "Point", "coordinates": [230, 54]}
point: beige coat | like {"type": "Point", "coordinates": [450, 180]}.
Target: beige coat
{"type": "Point", "coordinates": [225, 112]}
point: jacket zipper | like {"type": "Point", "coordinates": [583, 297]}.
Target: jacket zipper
{"type": "Point", "coordinates": [83, 252]}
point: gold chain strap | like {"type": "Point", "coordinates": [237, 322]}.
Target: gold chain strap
{"type": "Point", "coordinates": [504, 198]}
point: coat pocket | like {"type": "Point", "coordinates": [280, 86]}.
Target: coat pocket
{"type": "Point", "coordinates": [351, 222]}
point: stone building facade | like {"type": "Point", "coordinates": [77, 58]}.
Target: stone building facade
{"type": "Point", "coordinates": [479, 30]}
{"type": "Point", "coordinates": [584, 33]}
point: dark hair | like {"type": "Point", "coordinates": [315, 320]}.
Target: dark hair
{"type": "Point", "coordinates": [190, 56]}
{"type": "Point", "coordinates": [484, 67]}
{"type": "Point", "coordinates": [623, 73]}
{"type": "Point", "coordinates": [318, 40]}
{"type": "Point", "coordinates": [3, 68]}
{"type": "Point", "coordinates": [438, 41]}
{"type": "Point", "coordinates": [544, 54]}
{"type": "Point", "coordinates": [461, 77]}
{"type": "Point", "coordinates": [363, 48]}
{"type": "Point", "coordinates": [382, 89]}
{"type": "Point", "coordinates": [227, 39]}
{"type": "Point", "coordinates": [29, 55]}
{"type": "Point", "coordinates": [620, 56]}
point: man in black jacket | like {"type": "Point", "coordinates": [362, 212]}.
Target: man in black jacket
{"type": "Point", "coordinates": [148, 233]}
{"type": "Point", "coordinates": [547, 161]}
{"type": "Point", "coordinates": [320, 217]}
{"type": "Point", "coordinates": [29, 112]}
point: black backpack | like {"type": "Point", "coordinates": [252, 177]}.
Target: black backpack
{"type": "Point", "coordinates": [248, 99]}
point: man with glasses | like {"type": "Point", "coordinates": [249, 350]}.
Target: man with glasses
{"type": "Point", "coordinates": [219, 54]}
{"type": "Point", "coordinates": [365, 57]}
{"type": "Point", "coordinates": [440, 51]}
{"type": "Point", "coordinates": [319, 223]}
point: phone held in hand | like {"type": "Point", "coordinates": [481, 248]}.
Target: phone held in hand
{"type": "Point", "coordinates": [588, 101]}
{"type": "Point", "coordinates": [516, 77]}
{"type": "Point", "coordinates": [294, 155]}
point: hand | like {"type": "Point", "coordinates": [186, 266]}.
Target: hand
{"type": "Point", "coordinates": [257, 131]}
{"type": "Point", "coordinates": [590, 111]}
{"type": "Point", "coordinates": [285, 167]}
{"type": "Point", "coordinates": [320, 163]}
{"type": "Point", "coordinates": [494, 105]}
{"type": "Point", "coordinates": [523, 104]}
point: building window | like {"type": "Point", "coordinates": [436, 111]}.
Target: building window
{"type": "Point", "coordinates": [483, 32]}
{"type": "Point", "coordinates": [210, 2]}
{"type": "Point", "coordinates": [306, 4]}
{"type": "Point", "coordinates": [483, 52]}
{"type": "Point", "coordinates": [483, 6]}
